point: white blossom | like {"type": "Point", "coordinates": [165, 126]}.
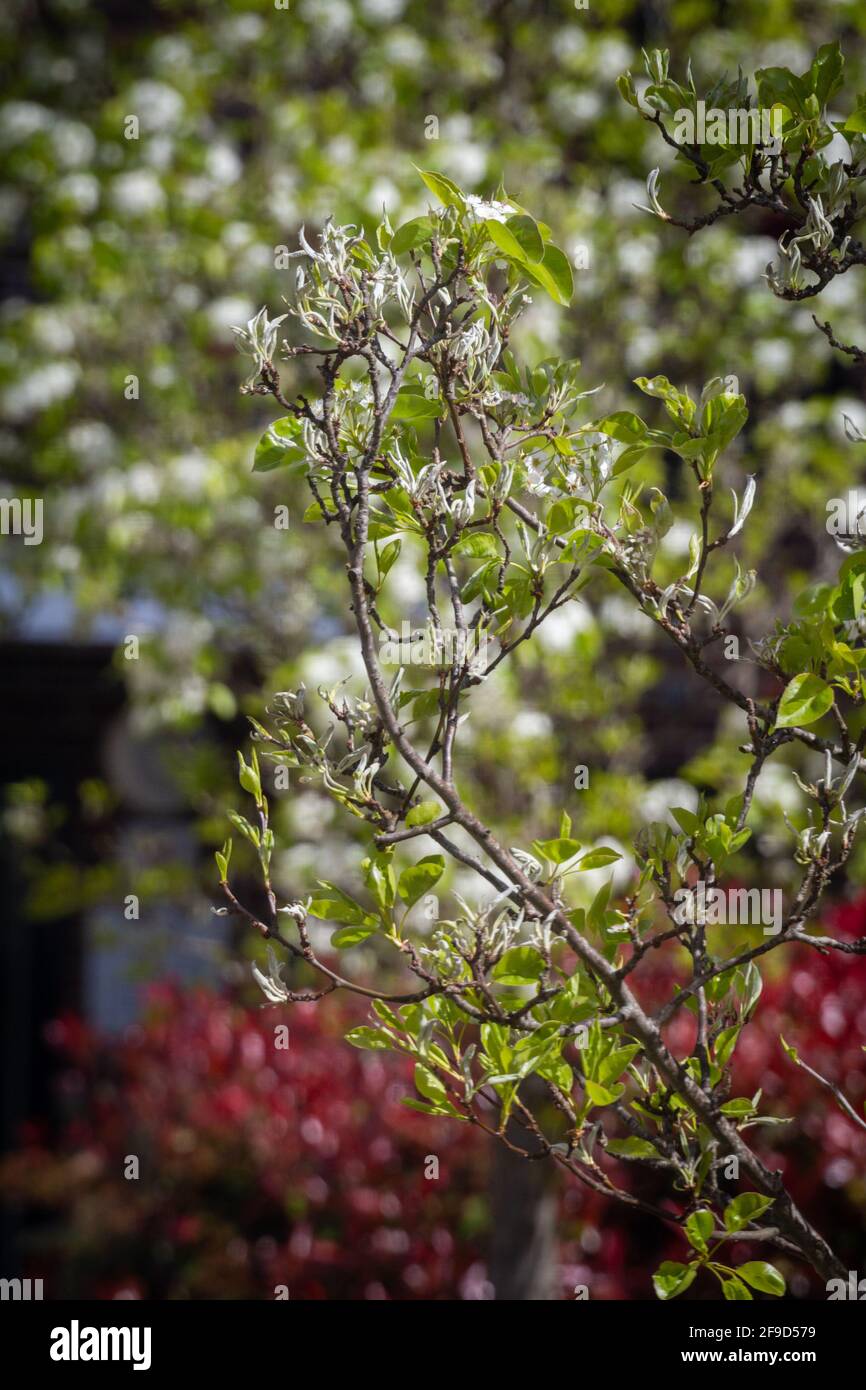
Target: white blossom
{"type": "Point", "coordinates": [271, 985]}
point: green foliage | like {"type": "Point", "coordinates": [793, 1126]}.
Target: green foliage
{"type": "Point", "coordinates": [820, 195]}
{"type": "Point", "coordinates": [544, 509]}
{"type": "Point", "coordinates": [671, 1279]}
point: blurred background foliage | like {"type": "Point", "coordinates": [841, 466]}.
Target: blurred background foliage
{"type": "Point", "coordinates": [125, 262]}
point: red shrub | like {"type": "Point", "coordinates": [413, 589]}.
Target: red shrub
{"type": "Point", "coordinates": [261, 1166]}
{"type": "Point", "coordinates": [258, 1166]}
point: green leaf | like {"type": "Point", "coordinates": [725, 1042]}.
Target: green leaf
{"type": "Point", "coordinates": [519, 239]}
{"type": "Point", "coordinates": [806, 699]}
{"type": "Point", "coordinates": [558, 268]}
{"type": "Point", "coordinates": [411, 234]}
{"type": "Point", "coordinates": [722, 419]}
{"type": "Point", "coordinates": [387, 558]}
{"type": "Point", "coordinates": [632, 1148]}
{"type": "Point", "coordinates": [699, 1228]}
{"type": "Point", "coordinates": [553, 274]}
{"type": "Point", "coordinates": [628, 458]}
{"type": "Point", "coordinates": [519, 966]}
{"type": "Point", "coordinates": [351, 936]}
{"type": "Point", "coordinates": [337, 906]}
{"type": "Point", "coordinates": [424, 702]}
{"type": "Point", "coordinates": [429, 1085]}
{"type": "Point", "coordinates": [739, 1108]}
{"type": "Point", "coordinates": [372, 1039]}
{"type": "Point", "coordinates": [735, 1291]}
{"type": "Point", "coordinates": [624, 426]}
{"type": "Point", "coordinates": [611, 1067]}
{"type": "Point", "coordinates": [658, 386]}
{"type": "Point", "coordinates": [602, 1095]}
{"type": "Point", "coordinates": [679, 404]}
{"type": "Point", "coordinates": [494, 1040]}
{"type": "Point", "coordinates": [420, 878]}
{"type": "Point", "coordinates": [725, 1044]}
{"type": "Point", "coordinates": [779, 84]}
{"type": "Point", "coordinates": [380, 879]}
{"type": "Point", "coordinates": [559, 1072]}
{"type": "Point", "coordinates": [279, 445]}
{"type": "Point", "coordinates": [562, 515]}
{"type": "Point", "coordinates": [502, 237]}
{"type": "Point", "coordinates": [749, 984]}
{"type": "Point", "coordinates": [444, 1109]}
{"type": "Point", "coordinates": [763, 1277]}
{"type": "Point", "coordinates": [690, 448]}
{"type": "Point", "coordinates": [249, 778]}
{"type": "Point", "coordinates": [478, 544]}
{"type": "Point", "coordinates": [626, 88]}
{"type": "Point", "coordinates": [481, 581]}
{"type": "Point", "coordinates": [389, 1016]}
{"type": "Point", "coordinates": [413, 405]}
{"type": "Point", "coordinates": [826, 71]}
{"type": "Point", "coordinates": [598, 859]}
{"type": "Point", "coordinates": [672, 1279]}
{"type": "Point", "coordinates": [443, 189]}
{"type": "Point", "coordinates": [790, 1051]}
{"type": "Point", "coordinates": [745, 1208]}
{"type": "Point", "coordinates": [248, 831]}
{"type": "Point", "coordinates": [595, 918]}
{"type": "Point", "coordinates": [686, 820]}
{"type": "Point", "coordinates": [558, 851]}
{"type": "Point", "coordinates": [848, 598]}
{"type": "Point", "coordinates": [524, 230]}
{"type": "Point", "coordinates": [423, 813]}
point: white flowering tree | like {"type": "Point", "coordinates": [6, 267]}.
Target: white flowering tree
{"type": "Point", "coordinates": [428, 441]}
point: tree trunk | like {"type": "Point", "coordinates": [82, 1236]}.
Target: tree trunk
{"type": "Point", "coordinates": [523, 1249]}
